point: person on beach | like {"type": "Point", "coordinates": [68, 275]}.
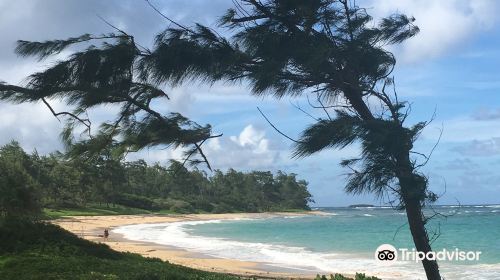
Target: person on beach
{"type": "Point", "coordinates": [106, 233]}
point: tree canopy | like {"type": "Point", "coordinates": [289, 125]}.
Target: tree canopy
{"type": "Point", "coordinates": [332, 50]}
{"type": "Point", "coordinates": [100, 75]}
{"type": "Point", "coordinates": [28, 182]}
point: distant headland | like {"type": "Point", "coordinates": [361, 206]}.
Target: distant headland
{"type": "Point", "coordinates": [360, 205]}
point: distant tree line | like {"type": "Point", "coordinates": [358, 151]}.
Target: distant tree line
{"type": "Point", "coordinates": [31, 181]}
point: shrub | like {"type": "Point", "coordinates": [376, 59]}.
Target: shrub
{"type": "Point", "coordinates": [181, 206]}
{"type": "Point", "coordinates": [45, 251]}
{"type": "Point", "coordinates": [18, 190]}
{"type": "Point", "coordinates": [358, 276]}
{"type": "Point", "coordinates": [203, 204]}
{"type": "Point", "coordinates": [136, 201]}
{"type": "Point", "coordinates": [223, 208]}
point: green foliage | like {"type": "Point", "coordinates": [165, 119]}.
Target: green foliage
{"type": "Point", "coordinates": [18, 188]}
{"type": "Point", "coordinates": [336, 133]}
{"type": "Point", "coordinates": [105, 75]}
{"type": "Point", "coordinates": [361, 276]}
{"type": "Point", "coordinates": [283, 47]}
{"type": "Point", "coordinates": [45, 251]}
{"type": "Point", "coordinates": [332, 49]}
{"type": "Point", "coordinates": [135, 201]}
{"type": "Point", "coordinates": [358, 276]}
{"type": "Point", "coordinates": [91, 209]}
{"type": "Point", "coordinates": [105, 186]}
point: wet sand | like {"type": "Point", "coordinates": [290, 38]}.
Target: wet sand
{"type": "Point", "coordinates": [92, 228]}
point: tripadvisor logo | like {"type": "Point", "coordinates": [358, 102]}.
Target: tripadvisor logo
{"type": "Point", "coordinates": [386, 253]}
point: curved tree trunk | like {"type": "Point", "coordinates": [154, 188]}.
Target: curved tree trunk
{"type": "Point", "coordinates": [412, 189]}
{"type": "Point", "coordinates": [412, 193]}
{"type": "Point", "coordinates": [420, 237]}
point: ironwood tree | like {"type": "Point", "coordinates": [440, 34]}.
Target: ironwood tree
{"type": "Point", "coordinates": [96, 76]}
{"type": "Point", "coordinates": [329, 49]}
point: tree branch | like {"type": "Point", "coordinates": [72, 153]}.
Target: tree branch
{"type": "Point", "coordinates": [286, 136]}
{"type": "Point", "coordinates": [85, 122]}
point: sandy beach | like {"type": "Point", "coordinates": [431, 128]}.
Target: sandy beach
{"type": "Point", "coordinates": [92, 227]}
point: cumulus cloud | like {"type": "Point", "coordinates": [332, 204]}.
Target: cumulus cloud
{"type": "Point", "coordinates": [444, 25]}
{"type": "Point", "coordinates": [248, 150]}
{"type": "Point", "coordinates": [161, 156]}
{"type": "Point", "coordinates": [30, 124]}
{"type": "Point", "coordinates": [480, 148]}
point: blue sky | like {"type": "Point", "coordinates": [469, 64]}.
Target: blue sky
{"type": "Point", "coordinates": [451, 67]}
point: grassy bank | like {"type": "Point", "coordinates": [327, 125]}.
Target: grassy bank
{"type": "Point", "coordinates": [45, 251]}
{"type": "Point", "coordinates": [103, 210]}
{"type": "Point", "coordinates": [94, 210]}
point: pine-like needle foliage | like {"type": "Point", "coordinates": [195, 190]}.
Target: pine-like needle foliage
{"type": "Point", "coordinates": [328, 48]}
{"type": "Point", "coordinates": [101, 76]}
{"type": "Point", "coordinates": [288, 48]}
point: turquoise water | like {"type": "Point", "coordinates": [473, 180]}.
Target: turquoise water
{"type": "Point", "coordinates": [362, 230]}
{"type": "Point", "coordinates": [343, 240]}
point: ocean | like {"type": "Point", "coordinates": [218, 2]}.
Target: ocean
{"type": "Point", "coordinates": [343, 240]}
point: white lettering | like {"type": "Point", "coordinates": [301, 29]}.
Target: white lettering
{"type": "Point", "coordinates": [442, 255]}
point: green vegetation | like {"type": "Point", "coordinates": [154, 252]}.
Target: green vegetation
{"type": "Point", "coordinates": [358, 276]}
{"type": "Point", "coordinates": [37, 250]}
{"type": "Point", "coordinates": [44, 251]}
{"type": "Point", "coordinates": [331, 49]}
{"type": "Point", "coordinates": [107, 186]}
{"type": "Point", "coordinates": [94, 210]}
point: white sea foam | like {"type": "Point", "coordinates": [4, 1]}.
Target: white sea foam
{"type": "Point", "coordinates": [487, 206]}
{"type": "Point", "coordinates": [176, 234]}
{"type": "Point", "coordinates": [293, 217]}
{"type": "Point", "coordinates": [329, 214]}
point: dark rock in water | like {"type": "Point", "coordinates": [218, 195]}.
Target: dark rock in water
{"type": "Point", "coordinates": [361, 205]}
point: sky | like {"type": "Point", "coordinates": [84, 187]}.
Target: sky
{"type": "Point", "coordinates": [450, 69]}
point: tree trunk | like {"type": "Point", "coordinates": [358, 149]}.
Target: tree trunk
{"type": "Point", "coordinates": [413, 188]}
{"type": "Point", "coordinates": [420, 237]}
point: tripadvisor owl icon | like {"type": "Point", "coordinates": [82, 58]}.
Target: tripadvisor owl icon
{"type": "Point", "coordinates": [386, 253]}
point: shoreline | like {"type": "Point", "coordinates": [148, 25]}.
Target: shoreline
{"type": "Point", "coordinates": [90, 227]}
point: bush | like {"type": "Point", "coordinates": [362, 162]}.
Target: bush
{"type": "Point", "coordinates": [45, 251]}
{"type": "Point", "coordinates": [222, 208]}
{"type": "Point", "coordinates": [136, 201]}
{"type": "Point", "coordinates": [181, 206]}
{"type": "Point", "coordinates": [203, 204]}
{"type": "Point", "coordinates": [358, 276]}
{"type": "Point", "coordinates": [18, 190]}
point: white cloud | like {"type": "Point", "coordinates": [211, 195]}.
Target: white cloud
{"type": "Point", "coordinates": [30, 124]}
{"type": "Point", "coordinates": [248, 150]}
{"type": "Point", "coordinates": [461, 129]}
{"type": "Point", "coordinates": [249, 137]}
{"type": "Point", "coordinates": [444, 25]}
{"type": "Point", "coordinates": [155, 155]}
{"type": "Point", "coordinates": [490, 147]}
